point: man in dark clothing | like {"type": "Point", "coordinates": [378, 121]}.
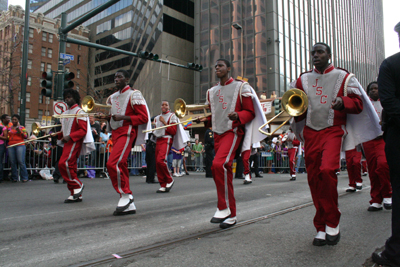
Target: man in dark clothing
{"type": "Point", "coordinates": [151, 157]}
{"type": "Point", "coordinates": [209, 147]}
{"type": "Point", "coordinates": [389, 94]}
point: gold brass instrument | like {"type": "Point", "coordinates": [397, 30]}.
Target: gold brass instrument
{"type": "Point", "coordinates": [88, 104]}
{"type": "Point", "coordinates": [294, 102]}
{"type": "Point", "coordinates": [180, 111]}
{"type": "Point", "coordinates": [32, 140]}
{"type": "Point", "coordinates": [36, 127]}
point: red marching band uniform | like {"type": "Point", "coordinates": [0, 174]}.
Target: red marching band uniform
{"type": "Point", "coordinates": [353, 162]}
{"type": "Point", "coordinates": [378, 169]}
{"type": "Point", "coordinates": [292, 145]}
{"type": "Point", "coordinates": [324, 131]}
{"type": "Point", "coordinates": [165, 138]}
{"type": "Point", "coordinates": [81, 142]}
{"type": "Point", "coordinates": [125, 134]}
{"type": "Point", "coordinates": [233, 96]}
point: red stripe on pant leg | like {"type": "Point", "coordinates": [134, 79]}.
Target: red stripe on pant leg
{"type": "Point", "coordinates": [246, 163]}
{"type": "Point", "coordinates": [225, 146]}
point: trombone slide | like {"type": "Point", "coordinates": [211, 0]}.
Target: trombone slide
{"type": "Point", "coordinates": [169, 125]}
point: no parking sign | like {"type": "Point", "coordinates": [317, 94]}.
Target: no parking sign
{"type": "Point", "coordinates": [59, 107]}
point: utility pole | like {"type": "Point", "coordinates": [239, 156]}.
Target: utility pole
{"type": "Point", "coordinates": [24, 63]}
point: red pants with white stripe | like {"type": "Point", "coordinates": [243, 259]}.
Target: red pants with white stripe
{"type": "Point", "coordinates": [117, 164]}
{"type": "Point", "coordinates": [378, 170]}
{"type": "Point", "coordinates": [353, 161]}
{"type": "Point", "coordinates": [292, 160]}
{"type": "Point", "coordinates": [68, 164]}
{"type": "Point", "coordinates": [246, 162]}
{"type": "Point", "coordinates": [322, 155]}
{"type": "Point", "coordinates": [163, 146]}
{"type": "Point", "coordinates": [225, 146]}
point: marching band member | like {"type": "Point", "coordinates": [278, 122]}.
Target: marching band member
{"type": "Point", "coordinates": [292, 144]}
{"type": "Point", "coordinates": [76, 139]}
{"type": "Point", "coordinates": [353, 162]}
{"type": "Point", "coordinates": [129, 116]}
{"type": "Point", "coordinates": [337, 114]}
{"type": "Point", "coordinates": [233, 112]}
{"type": "Point", "coordinates": [378, 169]}
{"type": "Point", "coordinates": [167, 137]}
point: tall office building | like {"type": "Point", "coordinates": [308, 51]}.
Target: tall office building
{"type": "Point", "coordinates": [164, 27]}
{"type": "Point", "coordinates": [270, 40]}
{"type": "Point", "coordinates": [35, 4]}
{"type": "Point", "coordinates": [3, 5]}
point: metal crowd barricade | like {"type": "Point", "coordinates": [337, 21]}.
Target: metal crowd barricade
{"type": "Point", "coordinates": [278, 161]}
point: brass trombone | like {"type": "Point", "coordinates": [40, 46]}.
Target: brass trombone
{"type": "Point", "coordinates": [180, 111]}
{"type": "Point", "coordinates": [294, 102]}
{"type": "Point", "coordinates": [36, 127]}
{"type": "Point", "coordinates": [88, 105]}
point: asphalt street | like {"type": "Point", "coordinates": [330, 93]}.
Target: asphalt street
{"type": "Point", "coordinates": [173, 229]}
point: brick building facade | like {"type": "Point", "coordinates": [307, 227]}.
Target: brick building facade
{"type": "Point", "coordinates": [42, 56]}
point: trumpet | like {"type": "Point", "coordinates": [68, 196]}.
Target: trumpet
{"type": "Point", "coordinates": [294, 102]}
{"type": "Point", "coordinates": [181, 107]}
{"type": "Point", "coordinates": [88, 105]}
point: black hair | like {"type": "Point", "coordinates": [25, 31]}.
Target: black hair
{"type": "Point", "coordinates": [17, 116]}
{"type": "Point", "coordinates": [227, 63]}
{"type": "Point", "coordinates": [75, 95]}
{"type": "Point", "coordinates": [328, 48]}
{"type": "Point", "coordinates": [4, 116]}
{"type": "Point", "coordinates": [369, 86]}
{"type": "Point", "coordinates": [125, 73]}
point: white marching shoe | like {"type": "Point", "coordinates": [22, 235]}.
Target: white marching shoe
{"type": "Point", "coordinates": [124, 202]}
{"type": "Point", "coordinates": [221, 215]}
{"type": "Point", "coordinates": [247, 179]}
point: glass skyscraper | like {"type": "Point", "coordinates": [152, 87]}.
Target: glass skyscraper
{"type": "Point", "coordinates": [276, 37]}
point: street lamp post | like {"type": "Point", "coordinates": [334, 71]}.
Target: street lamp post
{"type": "Point", "coordinates": [237, 26]}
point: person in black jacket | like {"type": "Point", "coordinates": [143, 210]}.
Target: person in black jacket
{"type": "Point", "coordinates": [389, 94]}
{"type": "Point", "coordinates": [209, 148]}
{"type": "Point", "coordinates": [151, 157]}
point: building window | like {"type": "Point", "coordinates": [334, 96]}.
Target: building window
{"type": "Point", "coordinates": [44, 36]}
{"type": "Point", "coordinates": [42, 66]}
{"type": "Point", "coordinates": [40, 99]}
{"type": "Point", "coordinates": [68, 45]}
{"type": "Point", "coordinates": [47, 102]}
{"type": "Point", "coordinates": [30, 48]}
{"type": "Point", "coordinates": [48, 67]}
{"type": "Point", "coordinates": [78, 73]}
{"type": "Point", "coordinates": [19, 98]}
{"type": "Point", "coordinates": [49, 53]}
{"type": "Point", "coordinates": [28, 97]}
{"type": "Point", "coordinates": [66, 69]}
{"type": "Point", "coordinates": [77, 88]}
{"type": "Point", "coordinates": [79, 47]}
{"type": "Point", "coordinates": [30, 33]}
{"type": "Point", "coordinates": [43, 51]}
{"type": "Point", "coordinates": [40, 113]}
{"type": "Point", "coordinates": [29, 64]}
{"type": "Point", "coordinates": [51, 38]}
{"type": "Point", "coordinates": [29, 81]}
{"type": "Point", "coordinates": [27, 112]}
{"type": "Point", "coordinates": [79, 59]}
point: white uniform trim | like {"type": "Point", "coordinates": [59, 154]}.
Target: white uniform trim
{"type": "Point", "coordinates": [120, 158]}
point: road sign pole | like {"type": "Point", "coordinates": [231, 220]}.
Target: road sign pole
{"type": "Point", "coordinates": [62, 50]}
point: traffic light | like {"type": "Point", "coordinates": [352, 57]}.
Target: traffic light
{"type": "Point", "coordinates": [148, 55]}
{"type": "Point", "coordinates": [47, 83]}
{"type": "Point", "coordinates": [194, 66]}
{"type": "Point", "coordinates": [68, 83]}
{"type": "Point", "coordinates": [277, 106]}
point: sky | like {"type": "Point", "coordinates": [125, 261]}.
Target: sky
{"type": "Point", "coordinates": [390, 8]}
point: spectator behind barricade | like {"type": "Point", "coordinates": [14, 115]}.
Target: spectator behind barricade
{"type": "Point", "coordinates": [5, 122]}
{"type": "Point", "coordinates": [197, 150]}
{"type": "Point", "coordinates": [17, 134]}
{"type": "Point", "coordinates": [109, 145]}
{"type": "Point", "coordinates": [32, 157]}
{"type": "Point", "coordinates": [186, 156]}
{"type": "Point", "coordinates": [176, 161]}
{"type": "Point", "coordinates": [104, 136]}
{"type": "Point", "coordinates": [3, 140]}
{"type": "Point", "coordinates": [96, 130]}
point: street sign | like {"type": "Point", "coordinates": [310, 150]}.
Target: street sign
{"type": "Point", "coordinates": [59, 107]}
{"type": "Point", "coordinates": [266, 107]}
{"type": "Point", "coordinates": [66, 61]}
{"type": "Point", "coordinates": [66, 56]}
